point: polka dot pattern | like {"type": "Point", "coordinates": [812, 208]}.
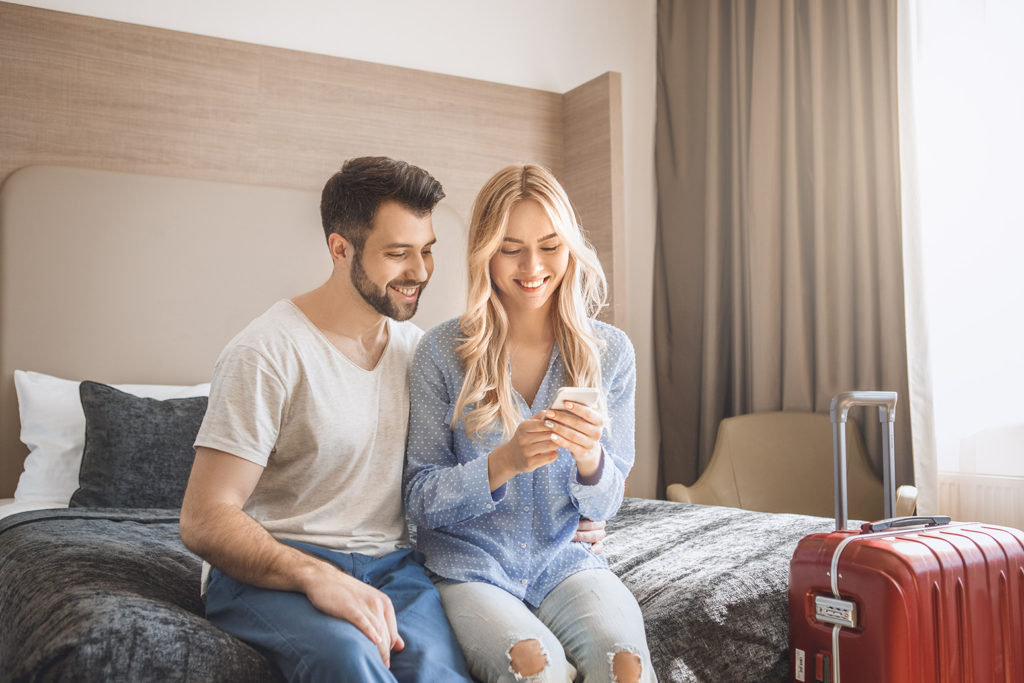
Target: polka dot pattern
{"type": "Point", "coordinates": [518, 537]}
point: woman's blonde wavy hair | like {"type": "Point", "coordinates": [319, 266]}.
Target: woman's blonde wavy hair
{"type": "Point", "coordinates": [484, 346]}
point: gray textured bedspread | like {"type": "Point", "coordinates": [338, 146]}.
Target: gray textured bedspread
{"type": "Point", "coordinates": [712, 583]}
{"type": "Point", "coordinates": [113, 595]}
{"type": "Point", "coordinates": [109, 595]}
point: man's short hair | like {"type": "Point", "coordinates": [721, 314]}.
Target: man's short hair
{"type": "Point", "coordinates": [352, 195]}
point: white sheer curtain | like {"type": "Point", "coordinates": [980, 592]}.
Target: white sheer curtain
{"type": "Point", "coordinates": [961, 98]}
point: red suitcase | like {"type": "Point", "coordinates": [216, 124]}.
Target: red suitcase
{"type": "Point", "coordinates": [908, 599]}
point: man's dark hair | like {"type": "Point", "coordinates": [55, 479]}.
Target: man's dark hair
{"type": "Point", "coordinates": [352, 195]}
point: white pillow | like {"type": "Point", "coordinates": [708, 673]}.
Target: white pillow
{"type": "Point", "coordinates": [9, 506]}
{"type": "Point", "coordinates": [53, 428]}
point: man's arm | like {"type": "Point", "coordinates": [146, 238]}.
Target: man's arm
{"type": "Point", "coordinates": [214, 526]}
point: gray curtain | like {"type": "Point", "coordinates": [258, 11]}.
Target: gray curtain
{"type": "Point", "coordinates": [778, 276]}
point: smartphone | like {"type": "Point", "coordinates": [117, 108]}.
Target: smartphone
{"type": "Point", "coordinates": [588, 396]}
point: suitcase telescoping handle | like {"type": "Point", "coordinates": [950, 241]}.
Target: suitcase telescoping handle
{"type": "Point", "coordinates": [838, 411]}
{"type": "Point", "coordinates": [900, 522]}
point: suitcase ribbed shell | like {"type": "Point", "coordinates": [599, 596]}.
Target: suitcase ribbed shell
{"type": "Point", "coordinates": [942, 603]}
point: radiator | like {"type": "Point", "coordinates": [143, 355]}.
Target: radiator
{"type": "Point", "coordinates": [982, 498]}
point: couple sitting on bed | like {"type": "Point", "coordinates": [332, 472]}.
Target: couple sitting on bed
{"type": "Point", "coordinates": [295, 496]}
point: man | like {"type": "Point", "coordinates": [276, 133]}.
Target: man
{"type": "Point", "coordinates": [295, 492]}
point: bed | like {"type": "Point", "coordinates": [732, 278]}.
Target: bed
{"type": "Point", "coordinates": [159, 191]}
{"type": "Point", "coordinates": [105, 590]}
{"type": "Point", "coordinates": [113, 592]}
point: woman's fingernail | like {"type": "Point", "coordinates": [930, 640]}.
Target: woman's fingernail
{"type": "Point", "coordinates": [569, 405]}
{"type": "Point", "coordinates": [549, 423]}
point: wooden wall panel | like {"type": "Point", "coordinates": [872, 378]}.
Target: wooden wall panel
{"type": "Point", "coordinates": [593, 175]}
{"type": "Point", "coordinates": [90, 92]}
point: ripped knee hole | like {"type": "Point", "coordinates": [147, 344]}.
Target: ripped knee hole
{"type": "Point", "coordinates": [627, 667]}
{"type": "Point", "coordinates": [527, 658]}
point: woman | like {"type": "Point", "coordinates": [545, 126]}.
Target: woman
{"type": "Point", "coordinates": [496, 483]}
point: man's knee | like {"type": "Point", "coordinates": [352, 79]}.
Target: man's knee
{"type": "Point", "coordinates": [627, 667]}
{"type": "Point", "coordinates": [527, 658]}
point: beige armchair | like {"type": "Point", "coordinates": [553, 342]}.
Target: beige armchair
{"type": "Point", "coordinates": [782, 462]}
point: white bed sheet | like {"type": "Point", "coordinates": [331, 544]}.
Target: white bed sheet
{"type": "Point", "coordinates": [9, 506]}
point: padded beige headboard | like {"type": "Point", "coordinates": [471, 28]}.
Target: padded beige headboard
{"type": "Point", "coordinates": [222, 117]}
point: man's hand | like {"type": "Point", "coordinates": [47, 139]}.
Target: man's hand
{"type": "Point", "coordinates": [593, 533]}
{"type": "Point", "coordinates": [343, 596]}
{"type": "Point", "coordinates": [214, 526]}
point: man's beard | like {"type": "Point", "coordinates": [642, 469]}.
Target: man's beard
{"type": "Point", "coordinates": [378, 298]}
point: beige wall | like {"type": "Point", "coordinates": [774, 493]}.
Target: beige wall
{"type": "Point", "coordinates": [530, 43]}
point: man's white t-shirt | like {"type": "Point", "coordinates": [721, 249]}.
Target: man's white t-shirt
{"type": "Point", "coordinates": [330, 434]}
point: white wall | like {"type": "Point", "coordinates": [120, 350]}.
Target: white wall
{"type": "Point", "coordinates": [532, 43]}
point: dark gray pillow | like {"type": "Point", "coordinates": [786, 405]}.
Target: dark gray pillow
{"type": "Point", "coordinates": [138, 451]}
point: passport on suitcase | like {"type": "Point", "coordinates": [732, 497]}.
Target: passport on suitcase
{"type": "Point", "coordinates": [904, 600]}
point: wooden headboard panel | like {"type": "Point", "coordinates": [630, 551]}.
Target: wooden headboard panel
{"type": "Point", "coordinates": [97, 94]}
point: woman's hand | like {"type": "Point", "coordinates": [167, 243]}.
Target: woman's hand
{"type": "Point", "coordinates": [530, 447]}
{"type": "Point", "coordinates": [577, 429]}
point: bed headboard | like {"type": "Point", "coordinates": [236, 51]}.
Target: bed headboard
{"type": "Point", "coordinates": [169, 186]}
{"type": "Point", "coordinates": [122, 276]}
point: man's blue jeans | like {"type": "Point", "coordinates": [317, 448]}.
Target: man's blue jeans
{"type": "Point", "coordinates": [308, 645]}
